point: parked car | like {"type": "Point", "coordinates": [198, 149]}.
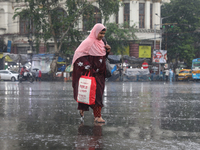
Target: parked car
{"type": "Point", "coordinates": [185, 74]}
{"type": "Point", "coordinates": [9, 75]}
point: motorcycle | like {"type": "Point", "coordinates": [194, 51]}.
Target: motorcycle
{"type": "Point", "coordinates": [27, 76]}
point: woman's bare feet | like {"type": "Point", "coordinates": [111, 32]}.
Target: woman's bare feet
{"type": "Point", "coordinates": [81, 113]}
{"type": "Point", "coordinates": [99, 120]}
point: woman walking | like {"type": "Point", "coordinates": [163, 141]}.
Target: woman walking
{"type": "Point", "coordinates": [91, 56]}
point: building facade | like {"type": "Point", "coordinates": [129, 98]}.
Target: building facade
{"type": "Point", "coordinates": [144, 14]}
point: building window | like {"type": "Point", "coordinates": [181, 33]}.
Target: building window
{"type": "Point", "coordinates": [151, 17]}
{"type": "Point", "coordinates": [24, 26]}
{"type": "Point", "coordinates": [127, 13]}
{"type": "Point", "coordinates": [22, 50]}
{"type": "Point", "coordinates": [141, 15]}
{"type": "Point", "coordinates": [58, 15]}
{"type": "Point", "coordinates": [116, 18]}
{"type": "Point", "coordinates": [96, 18]}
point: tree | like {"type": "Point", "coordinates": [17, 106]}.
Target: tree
{"type": "Point", "coordinates": [181, 32]}
{"type": "Point", "coordinates": [51, 21]}
{"type": "Point", "coordinates": [119, 36]}
{"type": "Point", "coordinates": [3, 47]}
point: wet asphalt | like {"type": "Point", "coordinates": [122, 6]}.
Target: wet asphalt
{"type": "Point", "coordinates": [139, 116]}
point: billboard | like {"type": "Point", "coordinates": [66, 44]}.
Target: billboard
{"type": "Point", "coordinates": [9, 46]}
{"type": "Point", "coordinates": [144, 51]}
{"type": "Point", "coordinates": [160, 56]}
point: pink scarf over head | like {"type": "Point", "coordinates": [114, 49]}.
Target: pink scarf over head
{"type": "Point", "coordinates": [91, 45]}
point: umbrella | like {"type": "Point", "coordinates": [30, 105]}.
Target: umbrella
{"type": "Point", "coordinates": [62, 68]}
{"type": "Point", "coordinates": [69, 69]}
{"type": "Point", "coordinates": [36, 69]}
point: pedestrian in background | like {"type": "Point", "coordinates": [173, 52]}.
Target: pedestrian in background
{"type": "Point", "coordinates": [161, 75]}
{"type": "Point", "coordinates": [36, 75]}
{"type": "Point", "coordinates": [91, 56]}
{"type": "Point", "coordinates": [120, 72]}
{"type": "Point", "coordinates": [177, 72]}
{"type": "Point", "coordinates": [39, 75]}
{"type": "Point", "coordinates": [171, 75]}
{"type": "Point", "coordinates": [166, 74]}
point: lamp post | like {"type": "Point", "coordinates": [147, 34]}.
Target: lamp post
{"type": "Point", "coordinates": [30, 52]}
{"type": "Point", "coordinates": [160, 29]}
{"type": "Point", "coordinates": [161, 19]}
{"type": "Point", "coordinates": [155, 35]}
{"type": "Point", "coordinates": [155, 43]}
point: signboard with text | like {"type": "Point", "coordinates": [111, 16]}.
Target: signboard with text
{"type": "Point", "coordinates": [144, 51]}
{"type": "Point", "coordinates": [9, 46]}
{"type": "Point", "coordinates": [160, 56]}
{"type": "Point", "coordinates": [145, 65]}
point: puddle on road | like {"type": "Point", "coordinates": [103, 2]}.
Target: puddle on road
{"type": "Point", "coordinates": [138, 115]}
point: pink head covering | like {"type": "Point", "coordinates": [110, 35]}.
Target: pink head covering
{"type": "Point", "coordinates": [91, 45]}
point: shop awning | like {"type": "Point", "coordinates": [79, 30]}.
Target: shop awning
{"type": "Point", "coordinates": [7, 58]}
{"type": "Point", "coordinates": [61, 61]}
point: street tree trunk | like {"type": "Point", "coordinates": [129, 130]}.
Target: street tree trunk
{"type": "Point", "coordinates": [53, 65]}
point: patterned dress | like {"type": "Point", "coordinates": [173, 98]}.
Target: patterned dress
{"type": "Point", "coordinates": [97, 67]}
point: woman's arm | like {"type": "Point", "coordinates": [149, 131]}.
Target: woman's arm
{"type": "Point", "coordinates": [82, 63]}
{"type": "Point", "coordinates": [108, 48]}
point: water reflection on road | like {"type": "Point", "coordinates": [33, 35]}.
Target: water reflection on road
{"type": "Point", "coordinates": [139, 115]}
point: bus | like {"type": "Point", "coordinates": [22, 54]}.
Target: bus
{"type": "Point", "coordinates": [196, 69]}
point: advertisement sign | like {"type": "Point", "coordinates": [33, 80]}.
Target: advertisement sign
{"type": "Point", "coordinates": [145, 65]}
{"type": "Point", "coordinates": [9, 46]}
{"type": "Point", "coordinates": [166, 66]}
{"type": "Point", "coordinates": [144, 51]}
{"type": "Point", "coordinates": [160, 56]}
{"type": "Point", "coordinates": [125, 51]}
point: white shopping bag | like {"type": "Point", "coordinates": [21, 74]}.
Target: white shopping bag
{"type": "Point", "coordinates": [86, 90]}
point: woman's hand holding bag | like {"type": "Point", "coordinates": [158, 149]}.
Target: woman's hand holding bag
{"type": "Point", "coordinates": [86, 90]}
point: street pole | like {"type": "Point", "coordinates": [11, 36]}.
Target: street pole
{"type": "Point", "coordinates": [31, 44]}
{"type": "Point", "coordinates": [30, 36]}
{"type": "Point", "coordinates": [160, 41]}
{"type": "Point", "coordinates": [161, 33]}
{"type": "Point", "coordinates": [155, 46]}
{"type": "Point", "coordinates": [154, 36]}
{"type": "Point", "coordinates": [160, 28]}
{"type": "Point", "coordinates": [161, 37]}
{"type": "Point", "coordinates": [166, 40]}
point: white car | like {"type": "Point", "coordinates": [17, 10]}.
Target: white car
{"type": "Point", "coordinates": [9, 75]}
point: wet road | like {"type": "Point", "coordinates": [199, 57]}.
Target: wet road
{"type": "Point", "coordinates": [139, 116]}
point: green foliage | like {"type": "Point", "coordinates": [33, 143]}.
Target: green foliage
{"type": "Point", "coordinates": [118, 37]}
{"type": "Point", "coordinates": [51, 21]}
{"type": "Point", "coordinates": [37, 43]}
{"type": "Point", "coordinates": [3, 47]}
{"type": "Point", "coordinates": [108, 7]}
{"type": "Point", "coordinates": [181, 41]}
{"type": "Point", "coordinates": [88, 18]}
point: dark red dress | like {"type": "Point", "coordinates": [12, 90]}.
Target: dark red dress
{"type": "Point", "coordinates": [97, 66]}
